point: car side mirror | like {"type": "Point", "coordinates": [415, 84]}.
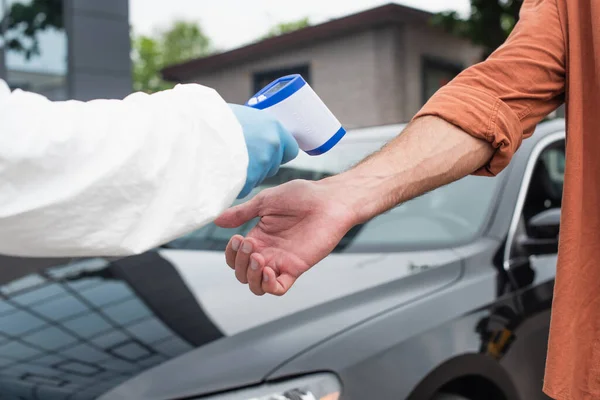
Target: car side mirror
{"type": "Point", "coordinates": [543, 231]}
{"type": "Point", "coordinates": [546, 224]}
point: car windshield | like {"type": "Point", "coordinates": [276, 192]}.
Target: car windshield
{"type": "Point", "coordinates": [449, 215]}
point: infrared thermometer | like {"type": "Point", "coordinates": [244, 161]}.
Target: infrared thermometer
{"type": "Point", "coordinates": [301, 111]}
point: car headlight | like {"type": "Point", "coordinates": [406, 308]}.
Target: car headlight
{"type": "Point", "coordinates": [314, 387]}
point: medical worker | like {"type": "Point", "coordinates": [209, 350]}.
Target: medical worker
{"type": "Point", "coordinates": [119, 177]}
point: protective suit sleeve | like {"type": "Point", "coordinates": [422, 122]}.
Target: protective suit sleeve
{"type": "Point", "coordinates": [114, 177]}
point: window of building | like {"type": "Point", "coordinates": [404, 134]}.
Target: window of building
{"type": "Point", "coordinates": [35, 55]}
{"type": "Point", "coordinates": [263, 78]}
{"type": "Point", "coordinates": [437, 73]}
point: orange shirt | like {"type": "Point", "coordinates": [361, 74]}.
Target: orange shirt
{"type": "Point", "coordinates": [553, 55]}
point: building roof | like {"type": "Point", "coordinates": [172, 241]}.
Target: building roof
{"type": "Point", "coordinates": [384, 15]}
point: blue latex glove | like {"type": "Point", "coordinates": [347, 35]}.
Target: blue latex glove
{"type": "Point", "coordinates": [269, 145]}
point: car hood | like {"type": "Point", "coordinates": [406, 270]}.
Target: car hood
{"type": "Point", "coordinates": [173, 323]}
{"type": "Point", "coordinates": [234, 309]}
{"type": "Point", "coordinates": [263, 333]}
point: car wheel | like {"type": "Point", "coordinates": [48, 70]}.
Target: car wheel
{"type": "Point", "coordinates": [444, 396]}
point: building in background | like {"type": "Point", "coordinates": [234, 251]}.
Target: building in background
{"type": "Point", "coordinates": [84, 54]}
{"type": "Point", "coordinates": [372, 68]}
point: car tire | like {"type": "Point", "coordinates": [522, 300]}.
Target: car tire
{"type": "Point", "coordinates": [445, 396]}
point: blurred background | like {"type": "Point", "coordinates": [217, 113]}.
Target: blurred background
{"type": "Point", "coordinates": [373, 62]}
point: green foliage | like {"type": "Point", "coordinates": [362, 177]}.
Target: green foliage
{"type": "Point", "coordinates": [182, 42]}
{"type": "Point", "coordinates": [285, 27]}
{"type": "Point", "coordinates": [25, 21]}
{"type": "Point", "coordinates": [147, 63]}
{"type": "Point", "coordinates": [489, 24]}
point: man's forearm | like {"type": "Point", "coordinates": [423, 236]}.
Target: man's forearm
{"type": "Point", "coordinates": [429, 154]}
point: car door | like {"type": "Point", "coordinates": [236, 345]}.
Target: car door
{"type": "Point", "coordinates": [532, 242]}
{"type": "Point", "coordinates": [530, 263]}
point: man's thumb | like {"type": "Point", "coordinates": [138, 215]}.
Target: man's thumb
{"type": "Point", "coordinates": [239, 215]}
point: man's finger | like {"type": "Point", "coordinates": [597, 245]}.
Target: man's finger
{"type": "Point", "coordinates": [276, 285]}
{"type": "Point", "coordinates": [239, 215]}
{"type": "Point", "coordinates": [257, 262]}
{"type": "Point", "coordinates": [242, 259]}
{"type": "Point", "coordinates": [231, 250]}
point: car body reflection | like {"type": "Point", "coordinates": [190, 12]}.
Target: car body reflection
{"type": "Point", "coordinates": [84, 327]}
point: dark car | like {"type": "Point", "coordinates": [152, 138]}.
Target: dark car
{"type": "Point", "coordinates": [444, 297]}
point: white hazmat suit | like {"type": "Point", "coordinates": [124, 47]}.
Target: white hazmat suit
{"type": "Point", "coordinates": [114, 177]}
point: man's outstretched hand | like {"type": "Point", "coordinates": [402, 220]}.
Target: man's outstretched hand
{"type": "Point", "coordinates": [301, 222]}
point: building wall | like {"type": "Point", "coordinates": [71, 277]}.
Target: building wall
{"type": "Point", "coordinates": [345, 82]}
{"type": "Point", "coordinates": [420, 42]}
{"type": "Point", "coordinates": [88, 59]}
{"type": "Point", "coordinates": [2, 29]}
{"type": "Point", "coordinates": [368, 78]}
{"type": "Point", "coordinates": [99, 48]}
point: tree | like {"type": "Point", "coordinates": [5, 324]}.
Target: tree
{"type": "Point", "coordinates": [24, 22]}
{"type": "Point", "coordinates": [147, 62]}
{"type": "Point", "coordinates": [489, 24]}
{"type": "Point", "coordinates": [285, 27]}
{"type": "Point", "coordinates": [182, 42]}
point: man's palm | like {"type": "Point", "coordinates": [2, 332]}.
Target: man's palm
{"type": "Point", "coordinates": [299, 225]}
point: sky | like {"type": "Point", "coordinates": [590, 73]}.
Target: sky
{"type": "Point", "coordinates": [232, 23]}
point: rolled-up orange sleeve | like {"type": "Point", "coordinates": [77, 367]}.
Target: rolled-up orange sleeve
{"type": "Point", "coordinates": [502, 99]}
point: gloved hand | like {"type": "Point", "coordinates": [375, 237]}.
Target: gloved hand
{"type": "Point", "coordinates": [269, 145]}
